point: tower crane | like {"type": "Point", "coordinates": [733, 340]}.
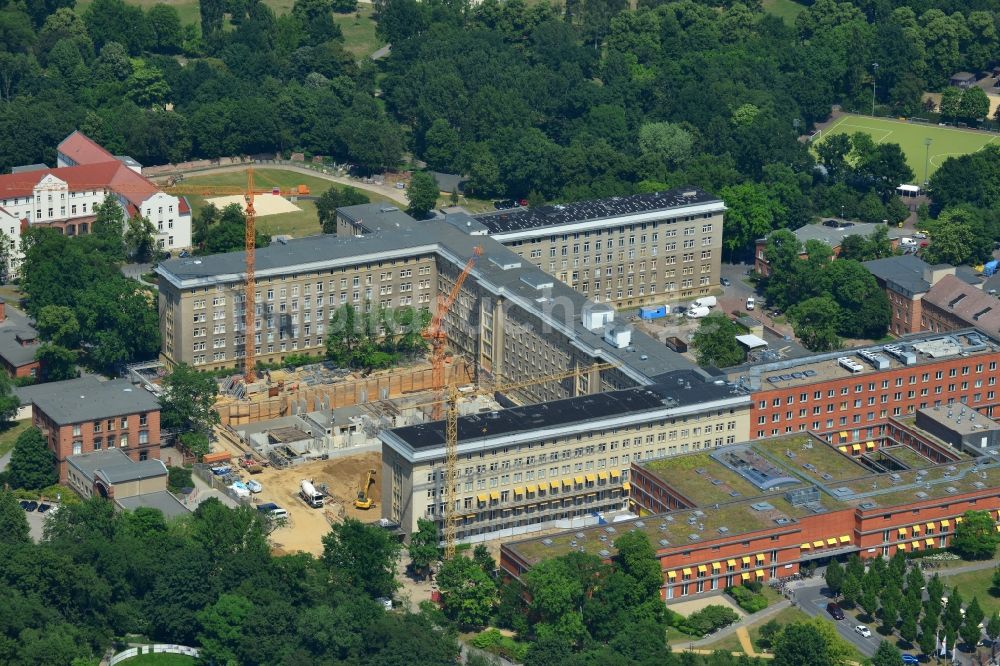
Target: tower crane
{"type": "Point", "coordinates": [434, 333]}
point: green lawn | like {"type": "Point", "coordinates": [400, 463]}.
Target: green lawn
{"type": "Point", "coordinates": [10, 433]}
{"type": "Point", "coordinates": [974, 583]}
{"type": "Point", "coordinates": [786, 10]}
{"type": "Point", "coordinates": [945, 141]}
{"type": "Point", "coordinates": [304, 222]}
{"type": "Point", "coordinates": [731, 643]}
{"type": "Point", "coordinates": [160, 660]}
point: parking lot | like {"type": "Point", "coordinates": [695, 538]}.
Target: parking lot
{"type": "Point", "coordinates": [36, 519]}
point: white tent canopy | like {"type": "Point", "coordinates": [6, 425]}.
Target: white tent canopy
{"type": "Point", "coordinates": [751, 342]}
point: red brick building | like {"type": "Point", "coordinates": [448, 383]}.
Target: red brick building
{"type": "Point", "coordinates": [18, 344]}
{"type": "Point", "coordinates": [846, 392]}
{"type": "Point", "coordinates": [84, 415]}
{"type": "Point", "coordinates": [760, 511]}
{"type": "Point", "coordinates": [953, 304]}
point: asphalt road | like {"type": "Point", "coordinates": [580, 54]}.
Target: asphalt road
{"type": "Point", "coordinates": [813, 601]}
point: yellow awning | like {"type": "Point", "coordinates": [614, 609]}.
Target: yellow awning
{"type": "Point", "coordinates": [805, 546]}
{"type": "Point", "coordinates": [519, 491]}
{"type": "Point", "coordinates": [855, 447]}
{"type": "Point", "coordinates": [832, 541]}
{"type": "Point", "coordinates": [915, 545]}
{"type": "Point", "coordinates": [591, 478]}
{"type": "Point", "coordinates": [716, 566]}
{"type": "Point", "coordinates": [745, 576]}
{"type": "Point", "coordinates": [591, 495]}
{"type": "Point", "coordinates": [929, 542]}
{"type": "Point", "coordinates": [482, 498]}
{"type": "Point", "coordinates": [900, 546]}
{"type": "Point", "coordinates": [615, 474]}
{"type": "Point", "coordinates": [843, 449]}
{"type": "Point", "coordinates": [845, 539]}
{"type": "Point", "coordinates": [817, 544]}
{"type": "Point", "coordinates": [568, 483]}
{"type": "Point", "coordinates": [958, 520]}
{"type": "Point", "coordinates": [687, 571]}
{"type": "Point", "coordinates": [731, 563]}
{"type": "Point", "coordinates": [554, 485]}
{"type": "Point", "coordinates": [603, 476]}
{"type": "Point", "coordinates": [702, 568]}
{"type": "Point", "coordinates": [578, 480]}
{"type": "Point", "coordinates": [844, 435]}
{"type": "Point", "coordinates": [494, 495]}
{"type": "Point", "coordinates": [671, 575]}
{"type": "Point", "coordinates": [916, 529]}
{"type": "Point", "coordinates": [945, 523]}
{"type": "Point", "coordinates": [759, 557]}
{"type": "Point", "coordinates": [626, 486]}
{"type": "Point", "coordinates": [902, 531]}
{"type": "Point", "coordinates": [998, 528]}
{"type": "Point", "coordinates": [929, 526]}
{"type": "Point", "coordinates": [746, 560]}
{"type": "Point", "coordinates": [869, 445]}
{"type": "Point", "coordinates": [759, 573]}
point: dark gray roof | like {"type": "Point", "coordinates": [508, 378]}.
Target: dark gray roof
{"type": "Point", "coordinates": [14, 328]}
{"type": "Point", "coordinates": [834, 236]}
{"type": "Point", "coordinates": [903, 273]}
{"type": "Point", "coordinates": [27, 168]}
{"type": "Point", "coordinates": [88, 399]}
{"type": "Point", "coordinates": [131, 471]}
{"type": "Point", "coordinates": [167, 504]}
{"type": "Point", "coordinates": [88, 463]}
{"type": "Point", "coordinates": [545, 216]}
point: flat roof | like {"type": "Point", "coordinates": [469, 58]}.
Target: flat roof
{"type": "Point", "coordinates": [162, 501]}
{"type": "Point", "coordinates": [816, 368]}
{"type": "Point", "coordinates": [88, 463]}
{"type": "Point", "coordinates": [596, 209]}
{"type": "Point", "coordinates": [959, 418]}
{"type": "Point", "coordinates": [88, 399]}
{"type": "Point", "coordinates": [13, 328]}
{"type": "Point", "coordinates": [834, 236]}
{"type": "Point", "coordinates": [125, 472]}
{"type": "Point", "coordinates": [751, 341]}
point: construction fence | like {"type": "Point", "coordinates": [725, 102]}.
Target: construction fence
{"type": "Point", "coordinates": [318, 397]}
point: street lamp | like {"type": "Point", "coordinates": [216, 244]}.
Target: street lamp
{"type": "Point", "coordinates": [927, 156]}
{"type": "Point", "coordinates": [874, 77]}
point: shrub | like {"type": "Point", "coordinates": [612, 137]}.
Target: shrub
{"type": "Point", "coordinates": [178, 477]}
{"type": "Point", "coordinates": [493, 641]}
{"type": "Point", "coordinates": [709, 619]}
{"type": "Point", "coordinates": [747, 599]}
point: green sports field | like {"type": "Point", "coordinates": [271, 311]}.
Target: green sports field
{"type": "Point", "coordinates": [945, 141]}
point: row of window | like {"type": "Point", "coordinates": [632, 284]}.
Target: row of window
{"type": "Point", "coordinates": [109, 424]}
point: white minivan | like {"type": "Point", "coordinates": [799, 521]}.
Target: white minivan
{"type": "Point", "coordinates": [751, 303]}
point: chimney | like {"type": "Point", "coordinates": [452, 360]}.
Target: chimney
{"type": "Point", "coordinates": [933, 274]}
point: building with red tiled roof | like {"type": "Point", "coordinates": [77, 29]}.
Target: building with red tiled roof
{"type": "Point", "coordinates": [65, 197]}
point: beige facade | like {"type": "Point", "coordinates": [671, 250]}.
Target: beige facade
{"type": "Point", "coordinates": [539, 475]}
{"type": "Point", "coordinates": [204, 325]}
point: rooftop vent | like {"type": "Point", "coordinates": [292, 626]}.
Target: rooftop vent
{"type": "Point", "coordinates": [505, 264]}
{"type": "Point", "coordinates": [694, 537]}
{"type": "Point", "coordinates": [866, 505]}
{"type": "Point", "coordinates": [782, 521]}
{"type": "Point", "coordinates": [850, 365]}
{"type": "Point", "coordinates": [762, 506]}
{"type": "Point", "coordinates": [951, 490]}
{"type": "Point", "coordinates": [664, 543]}
{"type": "Point", "coordinates": [547, 542]}
{"type": "Point", "coordinates": [921, 495]}
{"type": "Point", "coordinates": [604, 553]}
{"type": "Point", "coordinates": [723, 530]}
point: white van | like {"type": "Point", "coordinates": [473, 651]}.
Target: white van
{"type": "Point", "coordinates": [751, 303]}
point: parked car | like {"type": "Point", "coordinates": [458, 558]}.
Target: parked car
{"type": "Point", "coordinates": [835, 611]}
{"type": "Point", "coordinates": [863, 630]}
{"type": "Point", "coordinates": [254, 486]}
{"type": "Point", "coordinates": [24, 504]}
{"type": "Point", "coordinates": [222, 470]}
{"type": "Point", "coordinates": [32, 505]}
{"type": "Point", "coordinates": [910, 659]}
{"type": "Point", "coordinates": [725, 282]}
{"type": "Point", "coordinates": [42, 508]}
{"type": "Point", "coordinates": [751, 303]}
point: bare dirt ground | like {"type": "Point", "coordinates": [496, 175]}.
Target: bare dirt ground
{"type": "Point", "coordinates": [264, 204]}
{"type": "Point", "coordinates": [307, 526]}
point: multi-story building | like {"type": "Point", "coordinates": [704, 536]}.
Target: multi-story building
{"type": "Point", "coordinates": [626, 251]}
{"type": "Point", "coordinates": [953, 304]}
{"type": "Point", "coordinates": [760, 511]}
{"type": "Point", "coordinates": [832, 236]}
{"type": "Point", "coordinates": [855, 391]}
{"type": "Point", "coordinates": [83, 415]}
{"type": "Point", "coordinates": [561, 460]}
{"type": "Point", "coordinates": [18, 344]}
{"type": "Point", "coordinates": [65, 197]}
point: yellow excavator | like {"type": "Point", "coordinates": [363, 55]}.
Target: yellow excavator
{"type": "Point", "coordinates": [364, 500]}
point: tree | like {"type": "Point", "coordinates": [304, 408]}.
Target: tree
{"type": "Point", "coordinates": [667, 143]}
{"type": "Point", "coordinates": [768, 633]}
{"type": "Point", "coordinates": [13, 523]}
{"type": "Point", "coordinates": [834, 577]}
{"type": "Point", "coordinates": [637, 559]}
{"type": "Point", "coordinates": [196, 443]}
{"type": "Point", "coordinates": [32, 464]}
{"type": "Point", "coordinates": [884, 169]}
{"type": "Point", "coordinates": [887, 654]}
{"type": "Point", "coordinates": [481, 556]}
{"type": "Point", "coordinates": [804, 643]}
{"type": "Point", "coordinates": [468, 593]}
{"type": "Point", "coordinates": [951, 101]}
{"type": "Point", "coordinates": [851, 590]}
{"type": "Point", "coordinates": [109, 226]}
{"type": "Point", "coordinates": [751, 215]}
{"type": "Point", "coordinates": [993, 627]}
{"type": "Point", "coordinates": [976, 536]}
{"type": "Point", "coordinates": [868, 602]}
{"type": "Point", "coordinates": [9, 403]}
{"type": "Point", "coordinates": [222, 628]}
{"type": "Point", "coordinates": [140, 242]}
{"type": "Point", "coordinates": [362, 556]}
{"type": "Point", "coordinates": [58, 324]}
{"type": "Point", "coordinates": [188, 400]}
{"type": "Point", "coordinates": [423, 548]}
{"type": "Point", "coordinates": [715, 342]}
{"type": "Point", "coordinates": [974, 105]}
{"type": "Point", "coordinates": [951, 617]}
{"type": "Point", "coordinates": [928, 634]}
{"type": "Point", "coordinates": [816, 323]}
{"type": "Point", "coordinates": [908, 628]}
{"type": "Point", "coordinates": [974, 616]}
{"type": "Point", "coordinates": [422, 193]}
{"type": "Point", "coordinates": [57, 362]}
{"type": "Point", "coordinates": [331, 200]}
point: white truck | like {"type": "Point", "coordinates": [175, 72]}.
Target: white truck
{"type": "Point", "coordinates": [698, 312]}
{"type": "Point", "coordinates": [309, 494]}
{"type": "Point", "coordinates": [704, 302]}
